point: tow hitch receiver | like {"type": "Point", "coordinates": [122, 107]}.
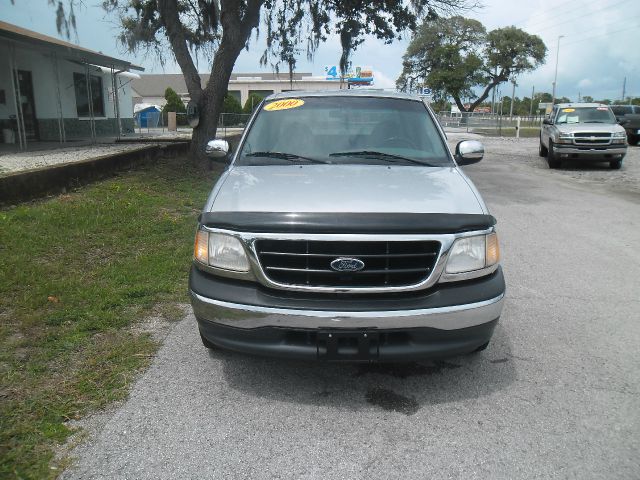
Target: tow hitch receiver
{"type": "Point", "coordinates": [346, 346]}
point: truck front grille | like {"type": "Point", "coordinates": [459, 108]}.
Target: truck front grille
{"type": "Point", "coordinates": [308, 262]}
{"type": "Point", "coordinates": [597, 138]}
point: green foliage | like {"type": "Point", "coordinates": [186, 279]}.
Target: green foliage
{"type": "Point", "coordinates": [293, 27]}
{"type": "Point", "coordinates": [84, 268]}
{"type": "Point", "coordinates": [444, 55]}
{"type": "Point", "coordinates": [174, 104]}
{"type": "Point", "coordinates": [231, 105]}
{"type": "Point", "coordinates": [454, 56]}
{"type": "Point", "coordinates": [252, 103]}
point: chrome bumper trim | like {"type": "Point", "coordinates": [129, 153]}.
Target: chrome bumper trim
{"type": "Point", "coordinates": [592, 152]}
{"type": "Point", "coordinates": [250, 316]}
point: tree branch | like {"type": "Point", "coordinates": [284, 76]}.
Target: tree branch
{"type": "Point", "coordinates": [495, 81]}
{"type": "Point", "coordinates": [171, 19]}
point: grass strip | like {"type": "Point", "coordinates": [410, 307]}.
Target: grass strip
{"type": "Point", "coordinates": [76, 272]}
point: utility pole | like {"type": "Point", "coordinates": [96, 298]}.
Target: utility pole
{"type": "Point", "coordinates": [533, 89]}
{"type": "Point", "coordinates": [555, 77]}
{"type": "Point", "coordinates": [624, 88]}
{"type": "Point", "coordinates": [513, 96]}
{"type": "Point", "coordinates": [493, 94]}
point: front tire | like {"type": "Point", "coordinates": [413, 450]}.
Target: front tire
{"type": "Point", "coordinates": [551, 157]}
{"type": "Point", "coordinates": [542, 150]}
{"type": "Point", "coordinates": [615, 164]}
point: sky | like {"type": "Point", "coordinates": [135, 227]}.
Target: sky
{"type": "Point", "coordinates": [599, 48]}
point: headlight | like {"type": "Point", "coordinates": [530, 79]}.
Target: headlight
{"type": "Point", "coordinates": [220, 251]}
{"type": "Point", "coordinates": [473, 253]}
{"type": "Point", "coordinates": [619, 137]}
{"type": "Point", "coordinates": [565, 138]}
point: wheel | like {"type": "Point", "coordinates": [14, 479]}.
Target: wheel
{"type": "Point", "coordinates": [542, 150]}
{"type": "Point", "coordinates": [207, 343]}
{"type": "Point", "coordinates": [615, 164]}
{"type": "Point", "coordinates": [632, 139]}
{"type": "Point", "coordinates": [551, 157]}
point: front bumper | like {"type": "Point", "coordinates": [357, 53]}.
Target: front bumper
{"type": "Point", "coordinates": [447, 320]}
{"type": "Point", "coordinates": [590, 153]}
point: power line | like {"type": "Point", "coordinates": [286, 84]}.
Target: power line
{"type": "Point", "coordinates": [603, 26]}
{"type": "Point", "coordinates": [579, 16]}
{"type": "Point", "coordinates": [613, 32]}
{"type": "Point", "coordinates": [560, 6]}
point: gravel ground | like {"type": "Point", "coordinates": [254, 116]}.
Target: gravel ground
{"type": "Point", "coordinates": [556, 394]}
{"type": "Point", "coordinates": [525, 150]}
{"type": "Point", "coordinates": [15, 162]}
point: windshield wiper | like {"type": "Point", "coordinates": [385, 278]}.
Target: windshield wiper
{"type": "Point", "coordinates": [284, 156]}
{"type": "Point", "coordinates": [595, 121]}
{"type": "Point", "coordinates": [382, 156]}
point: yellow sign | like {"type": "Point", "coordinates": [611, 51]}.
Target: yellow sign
{"type": "Point", "coordinates": [284, 104]}
{"type": "Point", "coordinates": [568, 110]}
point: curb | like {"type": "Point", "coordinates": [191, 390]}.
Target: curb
{"type": "Point", "coordinates": [39, 182]}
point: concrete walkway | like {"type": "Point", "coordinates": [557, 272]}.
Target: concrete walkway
{"type": "Point", "coordinates": [17, 162]}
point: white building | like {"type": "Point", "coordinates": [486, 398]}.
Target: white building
{"type": "Point", "coordinates": [66, 92]}
{"type": "Point", "coordinates": [149, 89]}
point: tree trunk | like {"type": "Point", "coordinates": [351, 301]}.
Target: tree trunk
{"type": "Point", "coordinates": [212, 98]}
{"type": "Point", "coordinates": [237, 26]}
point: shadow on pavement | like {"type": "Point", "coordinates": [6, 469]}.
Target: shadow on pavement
{"type": "Point", "coordinates": [402, 388]}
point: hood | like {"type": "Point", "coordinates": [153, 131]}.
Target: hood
{"type": "Point", "coordinates": [589, 127]}
{"type": "Point", "coordinates": [346, 188]}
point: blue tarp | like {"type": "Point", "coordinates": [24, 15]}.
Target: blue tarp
{"type": "Point", "coordinates": [148, 117]}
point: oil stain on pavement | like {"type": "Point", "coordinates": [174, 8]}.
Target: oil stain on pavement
{"type": "Point", "coordinates": [391, 401]}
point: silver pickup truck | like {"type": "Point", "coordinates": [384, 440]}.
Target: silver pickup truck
{"type": "Point", "coordinates": [344, 229]}
{"type": "Point", "coordinates": [584, 132]}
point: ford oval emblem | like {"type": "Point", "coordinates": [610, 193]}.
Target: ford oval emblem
{"type": "Point", "coordinates": [344, 264]}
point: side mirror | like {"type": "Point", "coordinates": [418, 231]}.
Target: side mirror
{"type": "Point", "coordinates": [547, 121]}
{"type": "Point", "coordinates": [217, 149]}
{"type": "Point", "coordinates": [468, 152]}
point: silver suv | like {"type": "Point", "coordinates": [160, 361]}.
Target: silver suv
{"type": "Point", "coordinates": [582, 131]}
{"type": "Point", "coordinates": [344, 229]}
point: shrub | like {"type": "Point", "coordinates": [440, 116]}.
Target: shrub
{"type": "Point", "coordinates": [174, 104]}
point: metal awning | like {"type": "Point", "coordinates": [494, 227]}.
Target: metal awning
{"type": "Point", "coordinates": [64, 50]}
{"type": "Point", "coordinates": [58, 50]}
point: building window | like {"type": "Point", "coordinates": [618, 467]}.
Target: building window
{"type": "Point", "coordinates": [82, 96]}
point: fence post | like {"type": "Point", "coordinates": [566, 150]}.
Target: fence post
{"type": "Point", "coordinates": [518, 128]}
{"type": "Point", "coordinates": [172, 122]}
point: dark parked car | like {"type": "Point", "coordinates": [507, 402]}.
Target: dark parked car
{"type": "Point", "coordinates": [628, 116]}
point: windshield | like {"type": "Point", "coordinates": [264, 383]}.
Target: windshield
{"type": "Point", "coordinates": [585, 115]}
{"type": "Point", "coordinates": [344, 130]}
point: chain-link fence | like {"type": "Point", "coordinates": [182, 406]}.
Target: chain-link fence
{"type": "Point", "coordinates": [491, 123]}
{"type": "Point", "coordinates": [232, 122]}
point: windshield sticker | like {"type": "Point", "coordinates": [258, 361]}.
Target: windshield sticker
{"type": "Point", "coordinates": [568, 110]}
{"type": "Point", "coordinates": [284, 104]}
{"type": "Point", "coordinates": [602, 108]}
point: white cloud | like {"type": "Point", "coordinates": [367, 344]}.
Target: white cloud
{"type": "Point", "coordinates": [380, 80]}
{"type": "Point", "coordinates": [585, 83]}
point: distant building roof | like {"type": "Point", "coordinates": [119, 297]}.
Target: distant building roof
{"type": "Point", "coordinates": [154, 85]}
{"type": "Point", "coordinates": [66, 50]}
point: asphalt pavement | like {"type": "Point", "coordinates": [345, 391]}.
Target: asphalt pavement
{"type": "Point", "coordinates": [556, 395]}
